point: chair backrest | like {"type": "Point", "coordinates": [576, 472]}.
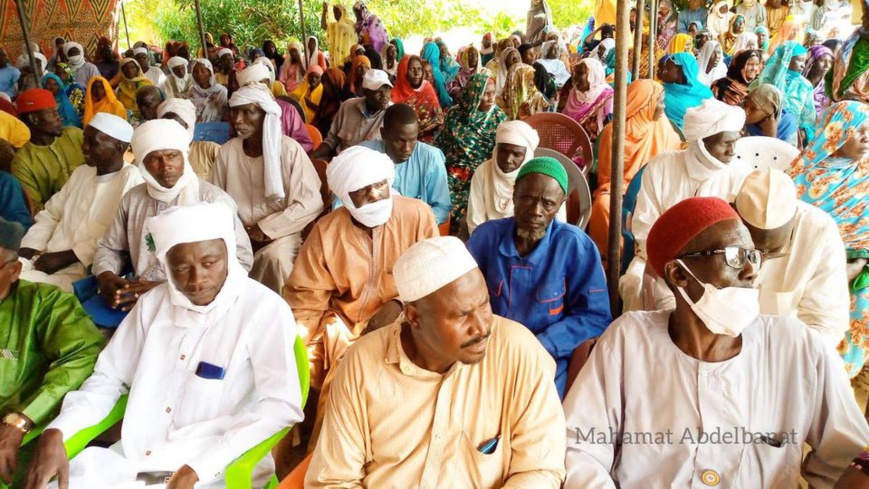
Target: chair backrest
{"type": "Point", "coordinates": [578, 193]}
{"type": "Point", "coordinates": [315, 135]}
{"type": "Point", "coordinates": [629, 203]}
{"type": "Point", "coordinates": [325, 191]}
{"type": "Point", "coordinates": [216, 132]}
{"type": "Point", "coordinates": [560, 133]}
{"type": "Point", "coordinates": [444, 228]}
{"type": "Point", "coordinates": [761, 152]}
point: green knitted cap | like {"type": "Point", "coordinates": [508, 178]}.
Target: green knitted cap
{"type": "Point", "coordinates": [548, 166]}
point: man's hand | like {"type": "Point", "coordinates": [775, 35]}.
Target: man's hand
{"type": "Point", "coordinates": [120, 293]}
{"type": "Point", "coordinates": [52, 262]}
{"type": "Point", "coordinates": [256, 234]}
{"type": "Point", "coordinates": [184, 478]}
{"type": "Point", "coordinates": [27, 253]}
{"type": "Point", "coordinates": [10, 442]}
{"type": "Point", "coordinates": [49, 459]}
{"type": "Point", "coordinates": [386, 315]}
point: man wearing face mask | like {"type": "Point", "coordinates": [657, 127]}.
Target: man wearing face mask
{"type": "Point", "coordinates": [803, 273]}
{"type": "Point", "coordinates": [706, 167]}
{"type": "Point", "coordinates": [342, 285]}
{"type": "Point", "coordinates": [711, 393]}
{"type": "Point", "coordinates": [84, 70]}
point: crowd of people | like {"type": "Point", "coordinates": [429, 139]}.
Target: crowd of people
{"type": "Point", "coordinates": [392, 212]}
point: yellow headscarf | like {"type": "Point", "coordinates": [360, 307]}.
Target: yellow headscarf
{"type": "Point", "coordinates": [109, 104]}
{"type": "Point", "coordinates": [129, 86]}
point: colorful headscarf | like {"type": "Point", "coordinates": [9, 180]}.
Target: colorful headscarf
{"type": "Point", "coordinates": [733, 89]}
{"type": "Point", "coordinates": [432, 53]}
{"type": "Point", "coordinates": [129, 86]}
{"type": "Point", "coordinates": [108, 104]}
{"type": "Point", "coordinates": [64, 106]}
{"type": "Point", "coordinates": [520, 90]}
{"type": "Point", "coordinates": [399, 46]}
{"type": "Point", "coordinates": [678, 98]}
{"type": "Point", "coordinates": [356, 84]}
{"type": "Point", "coordinates": [680, 43]}
{"type": "Point", "coordinates": [761, 29]}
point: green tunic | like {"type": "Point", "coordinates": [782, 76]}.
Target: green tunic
{"type": "Point", "coordinates": [48, 347]}
{"type": "Point", "coordinates": [42, 170]}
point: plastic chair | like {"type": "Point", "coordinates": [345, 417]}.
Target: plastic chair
{"type": "Point", "coordinates": [296, 478]}
{"type": "Point", "coordinates": [325, 191]}
{"type": "Point", "coordinates": [315, 135]}
{"type": "Point", "coordinates": [761, 152]}
{"type": "Point", "coordinates": [560, 133]}
{"type": "Point", "coordinates": [578, 193]}
{"type": "Point", "coordinates": [578, 360]}
{"type": "Point", "coordinates": [629, 203]}
{"type": "Point", "coordinates": [444, 228]}
{"type": "Point", "coordinates": [240, 471]}
{"type": "Point", "coordinates": [216, 132]}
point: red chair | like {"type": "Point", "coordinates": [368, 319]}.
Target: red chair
{"type": "Point", "coordinates": [444, 228]}
{"type": "Point", "coordinates": [560, 133]}
{"type": "Point", "coordinates": [296, 479]}
{"type": "Point", "coordinates": [578, 360]}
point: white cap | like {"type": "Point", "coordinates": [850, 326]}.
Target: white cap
{"type": "Point", "coordinates": [767, 200]}
{"type": "Point", "coordinates": [430, 265]}
{"type": "Point", "coordinates": [223, 51]}
{"type": "Point", "coordinates": [138, 51]}
{"type": "Point", "coordinates": [113, 126]}
{"type": "Point", "coordinates": [374, 79]}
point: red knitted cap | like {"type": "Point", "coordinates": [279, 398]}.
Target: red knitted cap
{"type": "Point", "coordinates": [682, 223]}
{"type": "Point", "coordinates": [35, 99]}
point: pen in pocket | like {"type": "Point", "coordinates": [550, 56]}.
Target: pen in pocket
{"type": "Point", "coordinates": [487, 448]}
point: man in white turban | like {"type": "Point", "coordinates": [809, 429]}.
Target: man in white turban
{"type": "Point", "coordinates": [84, 70]}
{"type": "Point", "coordinates": [491, 194]}
{"type": "Point", "coordinates": [207, 359]}
{"type": "Point", "coordinates": [292, 124]}
{"type": "Point", "coordinates": [60, 246]}
{"type": "Point", "coordinates": [471, 391]}
{"type": "Point", "coordinates": [202, 154]}
{"type": "Point", "coordinates": [271, 179]}
{"type": "Point", "coordinates": [341, 286]}
{"type": "Point", "coordinates": [179, 81]}
{"type": "Point", "coordinates": [161, 148]}
{"type": "Point", "coordinates": [153, 73]}
{"type": "Point", "coordinates": [707, 167]}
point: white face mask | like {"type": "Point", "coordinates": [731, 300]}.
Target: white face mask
{"type": "Point", "coordinates": [726, 311]}
{"type": "Point", "coordinates": [77, 59]}
{"type": "Point", "coordinates": [373, 214]}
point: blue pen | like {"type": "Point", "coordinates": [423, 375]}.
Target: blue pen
{"type": "Point", "coordinates": [489, 447]}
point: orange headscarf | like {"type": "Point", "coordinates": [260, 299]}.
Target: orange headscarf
{"type": "Point", "coordinates": [108, 104]}
{"type": "Point", "coordinates": [645, 137]}
{"type": "Point", "coordinates": [425, 94]}
{"type": "Point", "coordinates": [357, 60]}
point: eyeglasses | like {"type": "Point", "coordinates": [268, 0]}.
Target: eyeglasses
{"type": "Point", "coordinates": [785, 251]}
{"type": "Point", "coordinates": [735, 256]}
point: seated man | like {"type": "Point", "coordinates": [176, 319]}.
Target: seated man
{"type": "Point", "coordinates": [358, 119]}
{"type": "Point", "coordinates": [148, 99]}
{"type": "Point", "coordinates": [83, 69]}
{"type": "Point", "coordinates": [50, 347]}
{"type": "Point", "coordinates": [273, 182]}
{"type": "Point", "coordinates": [207, 359]}
{"type": "Point", "coordinates": [161, 145]}
{"type": "Point", "coordinates": [202, 154]}
{"type": "Point", "coordinates": [541, 273]}
{"type": "Point", "coordinates": [60, 246]}
{"type": "Point", "coordinates": [711, 393]}
{"type": "Point", "coordinates": [45, 163]}
{"type": "Point", "coordinates": [704, 168]}
{"type": "Point", "coordinates": [420, 169]}
{"type": "Point", "coordinates": [13, 203]}
{"type": "Point", "coordinates": [342, 286]}
{"type": "Point", "coordinates": [292, 124]}
{"type": "Point", "coordinates": [803, 272]}
{"type": "Point", "coordinates": [491, 194]}
{"type": "Point", "coordinates": [153, 73]}
{"type": "Point", "coordinates": [450, 395]}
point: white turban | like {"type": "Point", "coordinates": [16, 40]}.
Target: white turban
{"type": "Point", "coordinates": [138, 51]}
{"type": "Point", "coordinates": [223, 51]}
{"type": "Point", "coordinates": [254, 73]}
{"type": "Point", "coordinates": [207, 64]}
{"type": "Point", "coordinates": [358, 167]}
{"type": "Point", "coordinates": [262, 60]}
{"type": "Point", "coordinates": [184, 109]}
{"type": "Point", "coordinates": [191, 224]}
{"type": "Point", "coordinates": [23, 61]}
{"type": "Point", "coordinates": [518, 133]}
{"type": "Point", "coordinates": [430, 265]}
{"type": "Point", "coordinates": [69, 45]}
{"type": "Point", "coordinates": [176, 61]}
{"type": "Point", "coordinates": [272, 135]}
{"type": "Point", "coordinates": [710, 118]}
{"type": "Point", "coordinates": [113, 126]}
{"type": "Point", "coordinates": [161, 134]}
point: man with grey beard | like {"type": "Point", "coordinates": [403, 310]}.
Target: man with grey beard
{"type": "Point", "coordinates": [543, 273]}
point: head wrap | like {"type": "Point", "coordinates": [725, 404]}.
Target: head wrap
{"type": "Point", "coordinates": [678, 97]}
{"type": "Point", "coordinates": [680, 224]}
{"type": "Point", "coordinates": [767, 200]}
{"type": "Point", "coordinates": [184, 109]}
{"type": "Point", "coordinates": [545, 165]}
{"type": "Point", "coordinates": [358, 167]}
{"type": "Point", "coordinates": [596, 81]}
{"type": "Point", "coordinates": [192, 224]}
{"type": "Point", "coordinates": [710, 118]}
{"type": "Point", "coordinates": [24, 61]}
{"type": "Point", "coordinates": [767, 98]}
{"type": "Point", "coordinates": [430, 265]}
{"type": "Point", "coordinates": [162, 134]}
{"type": "Point", "coordinates": [11, 233]}
{"type": "Point", "coordinates": [112, 125]}
{"type": "Point", "coordinates": [520, 134]}
{"type": "Point", "coordinates": [816, 53]}
{"type": "Point", "coordinates": [67, 47]}
{"type": "Point", "coordinates": [138, 51]}
{"type": "Point", "coordinates": [223, 51]}
{"type": "Point", "coordinates": [272, 135]}
{"type": "Point", "coordinates": [175, 62]}
{"type": "Point", "coordinates": [35, 99]}
{"type": "Point", "coordinates": [254, 73]}
{"type": "Point", "coordinates": [313, 55]}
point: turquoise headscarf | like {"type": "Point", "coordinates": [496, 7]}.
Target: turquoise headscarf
{"type": "Point", "coordinates": [399, 47]}
{"type": "Point", "coordinates": [758, 30]}
{"type": "Point", "coordinates": [432, 53]}
{"type": "Point", "coordinates": [799, 93]}
{"type": "Point", "coordinates": [64, 106]}
{"type": "Point", "coordinates": [610, 66]}
{"type": "Point", "coordinates": [678, 98]}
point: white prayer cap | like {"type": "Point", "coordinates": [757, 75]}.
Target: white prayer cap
{"type": "Point", "coordinates": [374, 79]}
{"type": "Point", "coordinates": [139, 51]}
{"type": "Point", "coordinates": [767, 200]}
{"type": "Point", "coordinates": [175, 62]}
{"type": "Point", "coordinates": [358, 167]}
{"type": "Point", "coordinates": [430, 265]}
{"type": "Point", "coordinates": [223, 51]}
{"type": "Point", "coordinates": [710, 118]}
{"type": "Point", "coordinates": [113, 126]}
{"type": "Point", "coordinates": [184, 109]}
{"type": "Point", "coordinates": [254, 73]}
{"type": "Point", "coordinates": [159, 134]}
{"type": "Point", "coordinates": [69, 45]}
{"type": "Point", "coordinates": [518, 133]}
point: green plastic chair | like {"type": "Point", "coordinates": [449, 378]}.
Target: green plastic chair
{"type": "Point", "coordinates": [239, 474]}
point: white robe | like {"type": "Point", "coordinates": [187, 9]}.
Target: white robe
{"type": "Point", "coordinates": [175, 417]}
{"type": "Point", "coordinates": [785, 384]}
{"type": "Point", "coordinates": [75, 219]}
{"type": "Point", "coordinates": [282, 220]}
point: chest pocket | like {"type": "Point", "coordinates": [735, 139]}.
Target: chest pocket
{"type": "Point", "coordinates": [550, 296]}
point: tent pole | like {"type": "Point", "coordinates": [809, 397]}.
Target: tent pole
{"type": "Point", "coordinates": [638, 39]}
{"type": "Point", "coordinates": [304, 34]}
{"type": "Point", "coordinates": [201, 30]}
{"type": "Point", "coordinates": [126, 25]}
{"type": "Point", "coordinates": [26, 33]}
{"type": "Point", "coordinates": [653, 38]}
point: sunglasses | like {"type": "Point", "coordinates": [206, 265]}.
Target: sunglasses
{"type": "Point", "coordinates": [735, 256]}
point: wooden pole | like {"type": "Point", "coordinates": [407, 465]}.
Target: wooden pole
{"type": "Point", "coordinates": [26, 32]}
{"type": "Point", "coordinates": [201, 30]}
{"type": "Point", "coordinates": [618, 152]}
{"type": "Point", "coordinates": [126, 26]}
{"type": "Point", "coordinates": [653, 38]}
{"type": "Point", "coordinates": [638, 39]}
{"type": "Point", "coordinates": [304, 34]}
